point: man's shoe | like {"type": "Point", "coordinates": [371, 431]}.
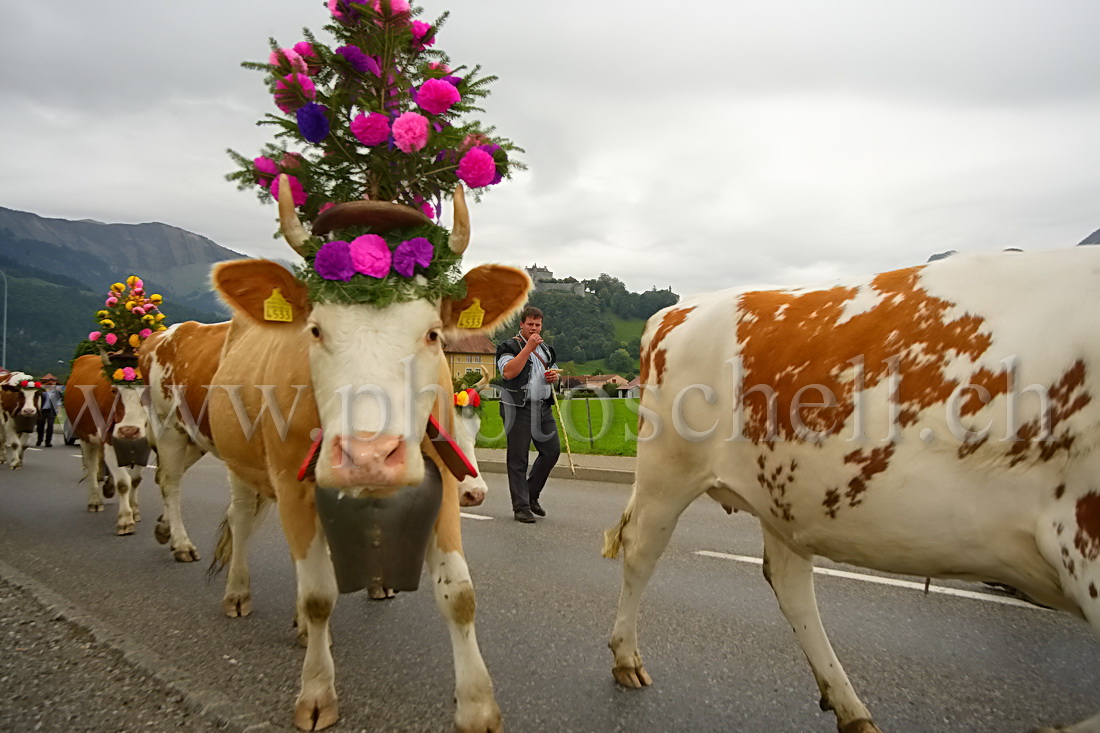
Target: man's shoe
{"type": "Point", "coordinates": [525, 516]}
{"type": "Point", "coordinates": [536, 508]}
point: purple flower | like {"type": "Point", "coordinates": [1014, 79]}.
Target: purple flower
{"type": "Point", "coordinates": [333, 261]}
{"type": "Point", "coordinates": [436, 96]}
{"type": "Point", "coordinates": [409, 254]}
{"type": "Point", "coordinates": [370, 255]}
{"type": "Point", "coordinates": [452, 80]}
{"type": "Point", "coordinates": [359, 60]}
{"type": "Point", "coordinates": [313, 122]}
{"type": "Point", "coordinates": [372, 129]}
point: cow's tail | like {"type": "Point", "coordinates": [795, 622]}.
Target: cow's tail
{"type": "Point", "coordinates": [613, 538]}
{"type": "Point", "coordinates": [223, 551]}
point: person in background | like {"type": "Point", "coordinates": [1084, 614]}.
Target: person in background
{"type": "Point", "coordinates": [529, 372]}
{"type": "Point", "coordinates": [47, 410]}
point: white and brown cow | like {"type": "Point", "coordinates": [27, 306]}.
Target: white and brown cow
{"type": "Point", "coordinates": [937, 421]}
{"type": "Point", "coordinates": [101, 414]}
{"type": "Point", "coordinates": [18, 415]}
{"type": "Point", "coordinates": [313, 367]}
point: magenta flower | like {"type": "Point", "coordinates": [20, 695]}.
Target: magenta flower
{"type": "Point", "coordinates": [343, 11]}
{"type": "Point", "coordinates": [145, 333]}
{"type": "Point", "coordinates": [265, 170]}
{"type": "Point", "coordinates": [372, 129]}
{"type": "Point", "coordinates": [427, 209]}
{"type": "Point", "coordinates": [111, 339]}
{"type": "Point", "coordinates": [287, 61]}
{"type": "Point", "coordinates": [325, 207]}
{"type": "Point", "coordinates": [436, 96]}
{"type": "Point", "coordinates": [297, 193]}
{"type": "Point", "coordinates": [370, 255]}
{"type": "Point", "coordinates": [94, 335]}
{"type": "Point", "coordinates": [420, 29]}
{"type": "Point", "coordinates": [129, 374]}
{"type": "Point", "coordinates": [410, 132]}
{"type": "Point", "coordinates": [294, 90]}
{"type": "Point", "coordinates": [477, 168]}
{"type": "Point", "coordinates": [333, 261]}
{"type": "Point", "coordinates": [397, 7]}
{"type": "Point", "coordinates": [305, 50]}
{"type": "Point", "coordinates": [409, 254]}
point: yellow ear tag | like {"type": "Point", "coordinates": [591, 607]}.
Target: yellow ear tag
{"type": "Point", "coordinates": [473, 316]}
{"type": "Point", "coordinates": [276, 308]}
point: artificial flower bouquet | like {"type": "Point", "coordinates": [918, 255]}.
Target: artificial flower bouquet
{"type": "Point", "coordinates": [468, 402]}
{"type": "Point", "coordinates": [128, 317]}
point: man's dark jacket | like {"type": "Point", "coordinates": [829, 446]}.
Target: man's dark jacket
{"type": "Point", "coordinates": [515, 389]}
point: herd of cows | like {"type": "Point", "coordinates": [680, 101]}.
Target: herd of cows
{"type": "Point", "coordinates": [938, 421]}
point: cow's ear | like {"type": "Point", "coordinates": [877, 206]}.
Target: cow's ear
{"type": "Point", "coordinates": [494, 293]}
{"type": "Point", "coordinates": [264, 291]}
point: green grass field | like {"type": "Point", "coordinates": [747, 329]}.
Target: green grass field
{"type": "Point", "coordinates": [614, 426]}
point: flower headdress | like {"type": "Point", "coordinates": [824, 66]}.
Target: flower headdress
{"type": "Point", "coordinates": [468, 401]}
{"type": "Point", "coordinates": [128, 317]}
{"type": "Point", "coordinates": [377, 117]}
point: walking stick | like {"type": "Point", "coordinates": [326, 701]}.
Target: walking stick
{"type": "Point", "coordinates": [565, 432]}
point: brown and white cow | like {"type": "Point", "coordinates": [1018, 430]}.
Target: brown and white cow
{"type": "Point", "coordinates": [100, 414]}
{"type": "Point", "coordinates": [936, 421]}
{"type": "Point", "coordinates": [313, 368]}
{"type": "Point", "coordinates": [18, 415]}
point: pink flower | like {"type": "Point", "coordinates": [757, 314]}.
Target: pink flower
{"type": "Point", "coordinates": [309, 56]}
{"type": "Point", "coordinates": [128, 374]}
{"type": "Point", "coordinates": [371, 255]}
{"type": "Point", "coordinates": [410, 132]}
{"type": "Point", "coordinates": [397, 7]}
{"type": "Point", "coordinates": [436, 96]}
{"type": "Point", "coordinates": [439, 66]}
{"type": "Point", "coordinates": [420, 29]}
{"type": "Point", "coordinates": [477, 168]}
{"type": "Point", "coordinates": [94, 335]}
{"type": "Point", "coordinates": [294, 91]}
{"type": "Point", "coordinates": [296, 191]}
{"type": "Point", "coordinates": [145, 333]}
{"type": "Point", "coordinates": [138, 311]}
{"type": "Point", "coordinates": [112, 301]}
{"type": "Point", "coordinates": [290, 160]}
{"type": "Point", "coordinates": [372, 129]}
{"type": "Point", "coordinates": [111, 339]}
{"type": "Point", "coordinates": [265, 170]}
{"type": "Point", "coordinates": [428, 210]}
{"type": "Point", "coordinates": [287, 61]}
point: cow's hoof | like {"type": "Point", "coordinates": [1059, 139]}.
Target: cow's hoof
{"type": "Point", "coordinates": [484, 722]}
{"type": "Point", "coordinates": [95, 507]}
{"type": "Point", "coordinates": [863, 725]}
{"type": "Point", "coordinates": [379, 593]}
{"type": "Point", "coordinates": [237, 606]}
{"type": "Point", "coordinates": [186, 553]}
{"type": "Point", "coordinates": [471, 498]}
{"type": "Point", "coordinates": [633, 677]}
{"type": "Point", "coordinates": [163, 533]}
{"type": "Point", "coordinates": [316, 714]}
{"type": "Point", "coordinates": [124, 529]}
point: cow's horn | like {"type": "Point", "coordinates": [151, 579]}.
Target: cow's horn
{"type": "Point", "coordinates": [460, 229]}
{"type": "Point", "coordinates": [293, 231]}
{"type": "Point", "coordinates": [103, 356]}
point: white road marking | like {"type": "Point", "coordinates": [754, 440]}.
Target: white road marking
{"type": "Point", "coordinates": [1006, 600]}
{"type": "Point", "coordinates": [473, 516]}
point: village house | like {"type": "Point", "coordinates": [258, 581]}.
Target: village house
{"type": "Point", "coordinates": [473, 353]}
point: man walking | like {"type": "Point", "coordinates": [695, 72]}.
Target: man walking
{"type": "Point", "coordinates": [47, 410]}
{"type": "Point", "coordinates": [528, 369]}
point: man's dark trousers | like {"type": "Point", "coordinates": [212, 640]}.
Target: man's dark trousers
{"type": "Point", "coordinates": [534, 422]}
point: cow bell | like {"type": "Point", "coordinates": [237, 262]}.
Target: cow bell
{"type": "Point", "coordinates": [25, 423]}
{"type": "Point", "coordinates": [131, 452]}
{"type": "Point", "coordinates": [380, 542]}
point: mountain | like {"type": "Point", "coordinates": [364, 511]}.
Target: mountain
{"type": "Point", "coordinates": [56, 273]}
{"type": "Point", "coordinates": [95, 254]}
{"type": "Point", "coordinates": [1093, 238]}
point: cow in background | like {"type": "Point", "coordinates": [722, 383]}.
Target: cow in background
{"type": "Point", "coordinates": [313, 363]}
{"type": "Point", "coordinates": [18, 415]}
{"type": "Point", "coordinates": [101, 414]}
{"type": "Point", "coordinates": [937, 421]}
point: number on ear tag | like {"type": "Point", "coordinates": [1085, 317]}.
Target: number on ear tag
{"type": "Point", "coordinates": [473, 316]}
{"type": "Point", "coordinates": [276, 308]}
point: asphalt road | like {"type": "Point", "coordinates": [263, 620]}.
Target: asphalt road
{"type": "Point", "coordinates": [103, 633]}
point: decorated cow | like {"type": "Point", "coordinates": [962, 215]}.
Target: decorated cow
{"type": "Point", "coordinates": [19, 399]}
{"type": "Point", "coordinates": [937, 421]}
{"type": "Point", "coordinates": [331, 399]}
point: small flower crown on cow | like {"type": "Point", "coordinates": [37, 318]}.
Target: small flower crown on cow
{"type": "Point", "coordinates": [468, 401]}
{"type": "Point", "coordinates": [128, 317]}
{"type": "Point", "coordinates": [379, 116]}
{"type": "Point", "coordinates": [18, 380]}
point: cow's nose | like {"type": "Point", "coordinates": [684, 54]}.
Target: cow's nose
{"type": "Point", "coordinates": [369, 459]}
{"type": "Point", "coordinates": [128, 432]}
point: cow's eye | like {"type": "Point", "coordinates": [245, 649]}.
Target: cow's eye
{"type": "Point", "coordinates": [315, 331]}
{"type": "Point", "coordinates": [433, 336]}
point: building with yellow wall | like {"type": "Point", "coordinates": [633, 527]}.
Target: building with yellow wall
{"type": "Point", "coordinates": [472, 353]}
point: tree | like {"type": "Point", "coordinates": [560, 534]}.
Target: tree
{"type": "Point", "coordinates": [619, 361]}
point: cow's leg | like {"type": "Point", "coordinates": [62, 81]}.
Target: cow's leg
{"type": "Point", "coordinates": [643, 533]}
{"type": "Point", "coordinates": [247, 509]}
{"type": "Point", "coordinates": [91, 454]}
{"type": "Point", "coordinates": [175, 454]}
{"type": "Point", "coordinates": [476, 708]}
{"type": "Point", "coordinates": [19, 446]}
{"type": "Point", "coordinates": [316, 707]}
{"type": "Point", "coordinates": [125, 523]}
{"type": "Point", "coordinates": [791, 577]}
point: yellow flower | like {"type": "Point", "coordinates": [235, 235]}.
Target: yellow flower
{"type": "Point", "coordinates": [147, 318]}
{"type": "Point", "coordinates": [107, 323]}
{"type": "Point", "coordinates": [159, 317]}
{"type": "Point", "coordinates": [101, 314]}
{"type": "Point", "coordinates": [162, 327]}
{"type": "Point", "coordinates": [135, 340]}
{"type": "Point", "coordinates": [131, 280]}
{"type": "Point", "coordinates": [156, 298]}
{"type": "Point", "coordinates": [129, 305]}
{"type": "Point", "coordinates": [117, 375]}
{"type": "Point", "coordinates": [463, 398]}
{"type": "Point", "coordinates": [118, 287]}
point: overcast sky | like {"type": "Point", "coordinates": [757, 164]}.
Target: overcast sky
{"type": "Point", "coordinates": [697, 145]}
